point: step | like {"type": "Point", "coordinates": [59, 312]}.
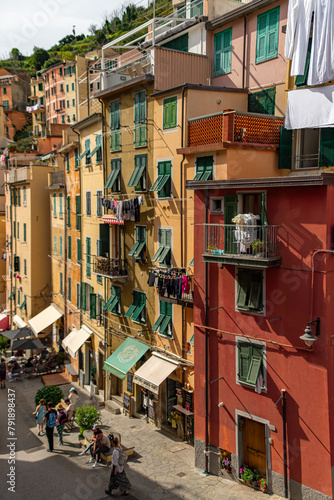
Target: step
{"type": "Point", "coordinates": [101, 393]}
{"type": "Point", "coordinates": [113, 407]}
{"type": "Point", "coordinates": [118, 399]}
{"type": "Point", "coordinates": [98, 400]}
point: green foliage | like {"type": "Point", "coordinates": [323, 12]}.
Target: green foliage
{"type": "Point", "coordinates": [86, 417]}
{"type": "Point", "coordinates": [3, 344]}
{"type": "Point", "coordinates": [49, 393]}
{"type": "Point", "coordinates": [26, 144]}
{"type": "Point", "coordinates": [60, 358]}
{"type": "Point", "coordinates": [16, 55]}
{"type": "Point", "coordinates": [38, 59]}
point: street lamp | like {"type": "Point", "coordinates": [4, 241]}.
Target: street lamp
{"type": "Point", "coordinates": [308, 336]}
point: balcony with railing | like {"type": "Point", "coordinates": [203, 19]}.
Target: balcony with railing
{"type": "Point", "coordinates": [234, 128]}
{"type": "Point", "coordinates": [56, 179]}
{"type": "Point", "coordinates": [250, 246]}
{"type": "Point", "coordinates": [115, 269]}
{"type": "Point", "coordinates": [19, 175]}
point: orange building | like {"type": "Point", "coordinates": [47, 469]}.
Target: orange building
{"type": "Point", "coordinates": [14, 90]}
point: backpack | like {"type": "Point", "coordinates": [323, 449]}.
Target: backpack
{"type": "Point", "coordinates": [123, 458]}
{"type": "Point", "coordinates": [62, 417]}
{"type": "Point", "coordinates": [52, 420]}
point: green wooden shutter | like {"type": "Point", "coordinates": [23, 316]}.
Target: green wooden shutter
{"type": "Point", "coordinates": [78, 211]}
{"type": "Point", "coordinates": [60, 246]}
{"type": "Point", "coordinates": [55, 244]}
{"type": "Point", "coordinates": [244, 361]}
{"type": "Point", "coordinates": [255, 295]}
{"type": "Point", "coordinates": [141, 304]}
{"type": "Point", "coordinates": [222, 52]}
{"type": "Point", "coordinates": [88, 254]}
{"type": "Point", "coordinates": [54, 203]}
{"type": "Point", "coordinates": [261, 39]}
{"type": "Point", "coordinates": [285, 148]}
{"type": "Point", "coordinates": [133, 307]}
{"type": "Point", "coordinates": [69, 251]}
{"type": "Point", "coordinates": [69, 211]}
{"type": "Point", "coordinates": [78, 250]}
{"type": "Point", "coordinates": [254, 370]}
{"type": "Point", "coordinates": [301, 80]}
{"type": "Point", "coordinates": [83, 296]}
{"type": "Point", "coordinates": [243, 287]}
{"type": "Point", "coordinates": [273, 28]}
{"type": "Point", "coordinates": [264, 217]}
{"type": "Point", "coordinates": [326, 157]}
{"type": "Point", "coordinates": [93, 306]}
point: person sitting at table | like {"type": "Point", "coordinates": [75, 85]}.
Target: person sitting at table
{"type": "Point", "coordinates": [15, 371]}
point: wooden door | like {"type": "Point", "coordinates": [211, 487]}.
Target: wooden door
{"type": "Point", "coordinates": [254, 445]}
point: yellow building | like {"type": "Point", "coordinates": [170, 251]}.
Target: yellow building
{"type": "Point", "coordinates": [29, 271]}
{"type": "Point", "coordinates": [92, 353]}
{"type": "Point", "coordinates": [76, 104]}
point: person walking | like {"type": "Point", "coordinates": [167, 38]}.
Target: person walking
{"type": "Point", "coordinates": [40, 414]}
{"type": "Point", "coordinates": [61, 421]}
{"type": "Point", "coordinates": [118, 478]}
{"type": "Point", "coordinates": [3, 373]}
{"type": "Point", "coordinates": [73, 395]}
{"type": "Point", "coordinates": [50, 419]}
{"type": "Point", "coordinates": [102, 445]}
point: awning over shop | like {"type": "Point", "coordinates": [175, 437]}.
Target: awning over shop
{"type": "Point", "coordinates": [75, 340]}
{"type": "Point", "coordinates": [154, 372]}
{"type": "Point", "coordinates": [111, 219]}
{"type": "Point", "coordinates": [19, 322]}
{"type": "Point", "coordinates": [45, 319]}
{"type": "Point", "coordinates": [125, 357]}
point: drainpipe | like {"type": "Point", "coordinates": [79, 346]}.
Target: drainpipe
{"type": "Point", "coordinates": [285, 455]}
{"type": "Point", "coordinates": [244, 54]}
{"type": "Point", "coordinates": [206, 451]}
{"type": "Point", "coordinates": [65, 250]}
{"type": "Point", "coordinates": [183, 335]}
{"type": "Point", "coordinates": [104, 279]}
{"type": "Point", "coordinates": [11, 267]}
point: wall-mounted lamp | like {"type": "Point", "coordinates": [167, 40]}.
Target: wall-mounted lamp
{"type": "Point", "coordinates": [308, 336]}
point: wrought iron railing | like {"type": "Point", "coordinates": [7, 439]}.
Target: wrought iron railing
{"type": "Point", "coordinates": [112, 268]}
{"type": "Point", "coordinates": [242, 240]}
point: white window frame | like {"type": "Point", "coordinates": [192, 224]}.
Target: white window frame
{"type": "Point", "coordinates": [216, 199]}
{"type": "Point", "coordinates": [296, 149]}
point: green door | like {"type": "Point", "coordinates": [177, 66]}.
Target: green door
{"type": "Point", "coordinates": [230, 211]}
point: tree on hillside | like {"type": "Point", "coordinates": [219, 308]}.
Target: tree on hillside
{"type": "Point", "coordinates": [16, 55]}
{"type": "Point", "coordinates": [38, 58]}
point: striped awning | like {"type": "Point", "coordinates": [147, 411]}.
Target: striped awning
{"type": "Point", "coordinates": [111, 219]}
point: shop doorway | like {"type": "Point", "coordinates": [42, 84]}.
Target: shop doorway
{"type": "Point", "coordinates": [254, 444]}
{"type": "Point", "coordinates": [101, 374]}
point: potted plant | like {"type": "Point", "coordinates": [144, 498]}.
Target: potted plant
{"type": "Point", "coordinates": [246, 474]}
{"type": "Point", "coordinates": [87, 416]}
{"type": "Point", "coordinates": [209, 249]}
{"type": "Point", "coordinates": [258, 248]}
{"type": "Point", "coordinates": [174, 419]}
{"type": "Point", "coordinates": [226, 463]}
{"type": "Point", "coordinates": [263, 485]}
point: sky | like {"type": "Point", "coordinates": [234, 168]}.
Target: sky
{"type": "Point", "coordinates": [41, 23]}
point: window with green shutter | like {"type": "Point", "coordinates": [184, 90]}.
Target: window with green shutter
{"type": "Point", "coordinates": [326, 151]}
{"type": "Point", "coordinates": [92, 302]}
{"type": "Point", "coordinates": [250, 363]}
{"type": "Point", "coordinates": [69, 212]}
{"type": "Point", "coordinates": [14, 229]}
{"type": "Point", "coordinates": [114, 179]}
{"type": "Point", "coordinates": [60, 246]}
{"type": "Point", "coordinates": [163, 183]}
{"type": "Point", "coordinates": [88, 203]}
{"type": "Point", "coordinates": [179, 43]}
{"type": "Point", "coordinates": [69, 250]}
{"type": "Point", "coordinates": [222, 52]}
{"type": "Point", "coordinates": [88, 258]}
{"type": "Point", "coordinates": [99, 210]}
{"type": "Point", "coordinates": [61, 290]}
{"type": "Point", "coordinates": [113, 304]}
{"type": "Point", "coordinates": [78, 250]}
{"type": "Point", "coordinates": [250, 290]}
{"type": "Point", "coordinates": [97, 150]}
{"type": "Point", "coordinates": [164, 322]}
{"type": "Point", "coordinates": [163, 254]}
{"type": "Point", "coordinates": [285, 148]}
{"type": "Point", "coordinates": [86, 153]}
{"type": "Point", "coordinates": [301, 80]}
{"type": "Point", "coordinates": [138, 251]}
{"type": "Point", "coordinates": [61, 205]}
{"type": "Point", "coordinates": [76, 158]}
{"type": "Point", "coordinates": [25, 267]}
{"type": "Point", "coordinates": [140, 119]}
{"type": "Point", "coordinates": [55, 244]}
{"type": "Point", "coordinates": [67, 159]}
{"type": "Point", "coordinates": [83, 296]}
{"type": "Point", "coordinates": [25, 232]}
{"type": "Point", "coordinates": [204, 168]}
{"type": "Point", "coordinates": [170, 113]}
{"type": "Point", "coordinates": [262, 102]}
{"type": "Point", "coordinates": [137, 310]}
{"type": "Point", "coordinates": [78, 296]}
{"type": "Point", "coordinates": [69, 288]}
{"type": "Point", "coordinates": [267, 35]}
{"type": "Point", "coordinates": [54, 205]}
{"type": "Point", "coordinates": [115, 126]}
{"type": "Point", "coordinates": [138, 177]}
{"type": "Point", "coordinates": [78, 212]}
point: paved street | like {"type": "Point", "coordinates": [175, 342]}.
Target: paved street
{"type": "Point", "coordinates": [162, 469]}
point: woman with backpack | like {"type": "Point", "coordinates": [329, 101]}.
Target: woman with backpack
{"type": "Point", "coordinates": [118, 478]}
{"type": "Point", "coordinates": [50, 419]}
{"type": "Point", "coordinates": [40, 412]}
{"type": "Point", "coordinates": [61, 421]}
